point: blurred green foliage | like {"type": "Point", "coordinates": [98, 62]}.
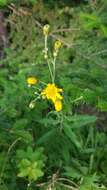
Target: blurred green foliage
{"type": "Point", "coordinates": [4, 3]}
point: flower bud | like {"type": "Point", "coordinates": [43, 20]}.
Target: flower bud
{"type": "Point", "coordinates": [32, 105]}
{"type": "Point", "coordinates": [57, 45]}
{"type": "Point", "coordinates": [46, 29]}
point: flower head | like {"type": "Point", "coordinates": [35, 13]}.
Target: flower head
{"type": "Point", "coordinates": [51, 92]}
{"type": "Point", "coordinates": [46, 29]}
{"type": "Point", "coordinates": [57, 45]}
{"type": "Point", "coordinates": [31, 80]}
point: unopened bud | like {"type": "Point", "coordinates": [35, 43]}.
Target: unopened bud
{"type": "Point", "coordinates": [32, 105]}
{"type": "Point", "coordinates": [46, 29]}
{"type": "Point", "coordinates": [55, 53]}
{"type": "Point", "coordinates": [45, 56]}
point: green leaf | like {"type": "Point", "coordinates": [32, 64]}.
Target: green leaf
{"type": "Point", "coordinates": [3, 3]}
{"type": "Point", "coordinates": [90, 21]}
{"type": "Point", "coordinates": [72, 173]}
{"type": "Point", "coordinates": [31, 163]}
{"type": "Point", "coordinates": [72, 136]}
{"type": "Point", "coordinates": [103, 29]}
{"type": "Point", "coordinates": [88, 182]}
{"type": "Point", "coordinates": [25, 135]}
{"type": "Point", "coordinates": [80, 120]}
{"type": "Point", "coordinates": [104, 166]}
{"type": "Point", "coordinates": [102, 105]}
{"type": "Point", "coordinates": [20, 124]}
{"type": "Point", "coordinates": [45, 137]}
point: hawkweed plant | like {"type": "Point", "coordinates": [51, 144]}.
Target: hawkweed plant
{"type": "Point", "coordinates": [50, 91]}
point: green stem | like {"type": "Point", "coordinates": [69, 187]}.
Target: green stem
{"type": "Point", "coordinates": [91, 163]}
{"type": "Point", "coordinates": [52, 78]}
{"type": "Point", "coordinates": [6, 158]}
{"type": "Point", "coordinates": [34, 100]}
{"type": "Point", "coordinates": [43, 82]}
{"type": "Point", "coordinates": [28, 187]}
{"type": "Point", "coordinates": [49, 67]}
{"type": "Point", "coordinates": [46, 39]}
{"type": "Point", "coordinates": [54, 67]}
{"type": "Point", "coordinates": [77, 99]}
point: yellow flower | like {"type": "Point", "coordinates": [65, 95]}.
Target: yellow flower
{"type": "Point", "coordinates": [52, 93]}
{"type": "Point", "coordinates": [58, 105]}
{"type": "Point", "coordinates": [31, 80]}
{"type": "Point", "coordinates": [57, 45]}
{"type": "Point", "coordinates": [46, 29]}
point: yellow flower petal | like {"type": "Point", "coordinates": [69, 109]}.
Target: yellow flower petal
{"type": "Point", "coordinates": [32, 80]}
{"type": "Point", "coordinates": [58, 105]}
{"type": "Point", "coordinates": [51, 92]}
